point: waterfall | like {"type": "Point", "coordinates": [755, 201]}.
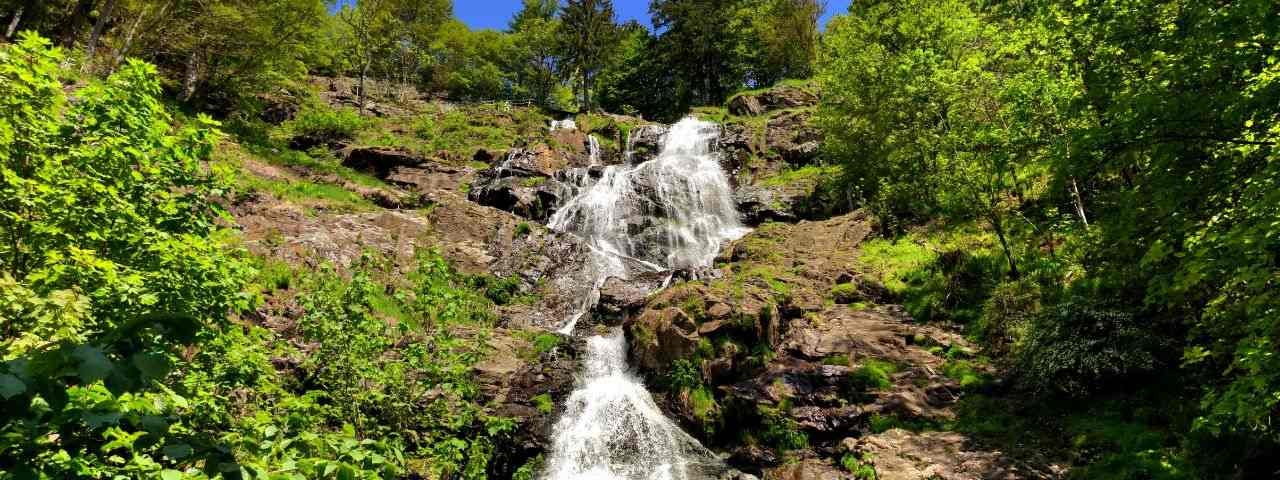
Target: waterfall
{"type": "Point", "coordinates": [593, 150]}
{"type": "Point", "coordinates": [671, 212]}
{"type": "Point", "coordinates": [566, 124]}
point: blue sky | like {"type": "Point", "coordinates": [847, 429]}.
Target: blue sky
{"type": "Point", "coordinates": [496, 13]}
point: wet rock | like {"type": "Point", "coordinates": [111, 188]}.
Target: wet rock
{"type": "Point", "coordinates": [776, 98]}
{"type": "Point", "coordinates": [520, 384]}
{"type": "Point", "coordinates": [646, 142]}
{"type": "Point", "coordinates": [753, 457]}
{"type": "Point", "coordinates": [620, 297]}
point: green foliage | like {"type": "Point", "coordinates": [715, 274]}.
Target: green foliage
{"type": "Point", "coordinates": [684, 375]}
{"type": "Point", "coordinates": [859, 465]}
{"type": "Point", "coordinates": [110, 265]}
{"type": "Point", "coordinates": [543, 403]}
{"type": "Point", "coordinates": [779, 431]}
{"type": "Point", "coordinates": [1079, 345]}
{"type": "Point", "coordinates": [326, 124]}
{"type": "Point", "coordinates": [872, 374]}
{"type": "Point", "coordinates": [965, 372]}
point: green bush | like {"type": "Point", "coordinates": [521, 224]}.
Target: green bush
{"type": "Point", "coordinates": [1079, 346]}
{"type": "Point", "coordinates": [326, 123]}
{"type": "Point", "coordinates": [111, 265]}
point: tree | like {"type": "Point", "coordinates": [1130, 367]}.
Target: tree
{"type": "Point", "coordinates": [589, 34]}
{"type": "Point", "coordinates": [535, 32]}
{"type": "Point", "coordinates": [701, 42]}
{"type": "Point", "coordinates": [781, 39]}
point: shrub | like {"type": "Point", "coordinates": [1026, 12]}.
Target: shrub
{"type": "Point", "coordinates": [1079, 345]}
{"type": "Point", "coordinates": [858, 464]}
{"type": "Point", "coordinates": [327, 124]}
{"type": "Point", "coordinates": [111, 264]}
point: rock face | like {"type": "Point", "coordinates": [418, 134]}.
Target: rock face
{"type": "Point", "coordinates": [793, 136]}
{"type": "Point", "coordinates": [776, 354]}
{"type": "Point", "coordinates": [898, 454]}
{"type": "Point", "coordinates": [533, 197]}
{"type": "Point", "coordinates": [523, 384]}
{"type": "Point", "coordinates": [777, 98]}
{"type": "Point", "coordinates": [645, 142]}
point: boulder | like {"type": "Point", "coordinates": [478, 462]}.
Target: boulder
{"type": "Point", "coordinates": [759, 204]}
{"type": "Point", "coordinates": [776, 98]}
{"type": "Point", "coordinates": [620, 297]}
{"type": "Point", "coordinates": [380, 160]}
{"type": "Point", "coordinates": [532, 197]}
{"type": "Point", "coordinates": [746, 105]}
{"type": "Point", "coordinates": [645, 142]}
{"type": "Point", "coordinates": [794, 137]}
{"type": "Point", "coordinates": [659, 337]}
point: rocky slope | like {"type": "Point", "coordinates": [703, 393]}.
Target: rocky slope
{"type": "Point", "coordinates": [785, 357]}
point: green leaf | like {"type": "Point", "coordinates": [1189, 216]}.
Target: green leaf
{"type": "Point", "coordinates": [169, 474]}
{"type": "Point", "coordinates": [94, 364]}
{"type": "Point", "coordinates": [11, 386]}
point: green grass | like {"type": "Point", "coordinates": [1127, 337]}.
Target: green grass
{"type": "Point", "coordinates": [965, 372]}
{"type": "Point", "coordinates": [809, 174]}
{"type": "Point", "coordinates": [333, 197]}
{"type": "Point", "coordinates": [934, 284]}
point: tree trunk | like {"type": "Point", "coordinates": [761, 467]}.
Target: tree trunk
{"type": "Point", "coordinates": [128, 40]}
{"type": "Point", "coordinates": [13, 24]}
{"type": "Point", "coordinates": [1075, 195]}
{"type": "Point", "coordinates": [364, 72]}
{"type": "Point", "coordinates": [1004, 244]}
{"type": "Point", "coordinates": [192, 76]}
{"type": "Point", "coordinates": [103, 18]}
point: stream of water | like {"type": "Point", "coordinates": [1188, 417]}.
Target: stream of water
{"type": "Point", "coordinates": [673, 211]}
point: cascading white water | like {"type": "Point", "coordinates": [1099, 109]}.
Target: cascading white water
{"type": "Point", "coordinates": [566, 124]}
{"type": "Point", "coordinates": [671, 212]}
{"type": "Point", "coordinates": [593, 150]}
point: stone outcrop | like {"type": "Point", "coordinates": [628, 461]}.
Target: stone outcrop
{"type": "Point", "coordinates": [523, 384]}
{"type": "Point", "coordinates": [646, 142]}
{"type": "Point", "coordinates": [776, 98]}
{"type": "Point", "coordinates": [776, 352]}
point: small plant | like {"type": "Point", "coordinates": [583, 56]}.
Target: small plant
{"type": "Point", "coordinates": [522, 229]}
{"type": "Point", "coordinates": [859, 465]}
{"type": "Point", "coordinates": [873, 374]}
{"type": "Point", "coordinates": [543, 403]}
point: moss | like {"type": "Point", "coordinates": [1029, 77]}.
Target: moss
{"type": "Point", "coordinates": [965, 372]}
{"type": "Point", "coordinates": [543, 403]}
{"type": "Point", "coordinates": [845, 293]}
{"type": "Point", "coordinates": [533, 181]}
{"type": "Point", "coordinates": [705, 409]}
{"type": "Point", "coordinates": [873, 374]}
{"type": "Point", "coordinates": [809, 175]}
{"type": "Point", "coordinates": [522, 229]}
{"type": "Point", "coordinates": [838, 359]}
